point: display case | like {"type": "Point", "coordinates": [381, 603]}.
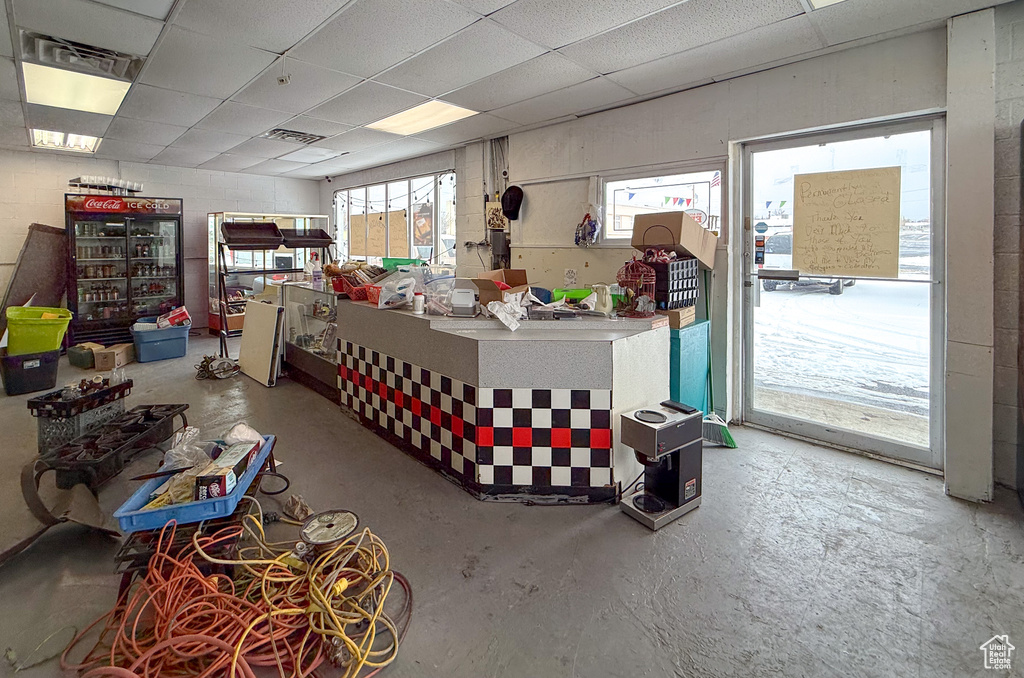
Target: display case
{"type": "Point", "coordinates": [311, 327]}
{"type": "Point", "coordinates": [248, 267]}
{"type": "Point", "coordinates": [124, 263]}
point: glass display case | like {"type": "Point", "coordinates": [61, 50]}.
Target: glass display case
{"type": "Point", "coordinates": [311, 327]}
{"type": "Point", "coordinates": [254, 267]}
{"type": "Point", "coordinates": [124, 263]}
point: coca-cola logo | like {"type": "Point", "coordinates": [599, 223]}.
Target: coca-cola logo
{"type": "Point", "coordinates": [101, 204]}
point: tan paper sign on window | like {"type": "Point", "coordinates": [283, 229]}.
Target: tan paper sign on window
{"type": "Point", "coordinates": [368, 234]}
{"type": "Point", "coordinates": [847, 223]}
{"type": "Point", "coordinates": [357, 235]}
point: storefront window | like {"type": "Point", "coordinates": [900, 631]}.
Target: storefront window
{"type": "Point", "coordinates": [409, 218]}
{"type": "Point", "coordinates": [699, 194]}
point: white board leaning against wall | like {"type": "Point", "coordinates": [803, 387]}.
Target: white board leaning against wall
{"type": "Point", "coordinates": [847, 223]}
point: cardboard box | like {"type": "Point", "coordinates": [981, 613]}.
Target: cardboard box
{"type": "Point", "coordinates": [114, 356]}
{"type": "Point", "coordinates": [674, 231]}
{"type": "Point", "coordinates": [680, 317]}
{"type": "Point", "coordinates": [221, 476]}
{"type": "Point", "coordinates": [178, 316]}
{"type": "Point", "coordinates": [515, 278]}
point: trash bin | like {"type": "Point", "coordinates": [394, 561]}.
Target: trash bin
{"type": "Point", "coordinates": [29, 332]}
{"type": "Point", "coordinates": [29, 372]}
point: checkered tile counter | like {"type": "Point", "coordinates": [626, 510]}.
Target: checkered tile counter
{"type": "Point", "coordinates": [510, 443]}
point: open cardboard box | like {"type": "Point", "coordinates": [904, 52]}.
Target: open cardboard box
{"type": "Point", "coordinates": [515, 278]}
{"type": "Point", "coordinates": [674, 231]}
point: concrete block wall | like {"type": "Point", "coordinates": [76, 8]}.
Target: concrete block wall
{"type": "Point", "coordinates": [1009, 87]}
{"type": "Point", "coordinates": [32, 188]}
{"type": "Point", "coordinates": [469, 210]}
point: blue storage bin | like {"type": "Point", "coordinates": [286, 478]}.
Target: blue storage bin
{"type": "Point", "coordinates": [688, 365]}
{"type": "Point", "coordinates": [132, 518]}
{"type": "Point", "coordinates": [151, 345]}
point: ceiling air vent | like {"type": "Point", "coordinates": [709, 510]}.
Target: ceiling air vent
{"type": "Point", "coordinates": [292, 136]}
{"type": "Point", "coordinates": [51, 51]}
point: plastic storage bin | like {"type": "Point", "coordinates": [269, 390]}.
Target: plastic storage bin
{"type": "Point", "coordinates": [28, 372]}
{"type": "Point", "coordinates": [132, 518]}
{"type": "Point", "coordinates": [688, 365]}
{"type": "Point", "coordinates": [157, 344]}
{"type": "Point", "coordinates": [29, 332]}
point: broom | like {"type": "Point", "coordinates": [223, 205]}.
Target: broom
{"type": "Point", "coordinates": [714, 428]}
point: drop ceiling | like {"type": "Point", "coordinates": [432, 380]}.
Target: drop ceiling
{"type": "Point", "coordinates": [210, 83]}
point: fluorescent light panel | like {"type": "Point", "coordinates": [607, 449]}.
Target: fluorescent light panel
{"type": "Point", "coordinates": [60, 141]}
{"type": "Point", "coordinates": [818, 4]}
{"type": "Point", "coordinates": [61, 88]}
{"type": "Point", "coordinates": [421, 118]}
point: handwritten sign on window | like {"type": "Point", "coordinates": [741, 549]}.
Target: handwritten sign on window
{"type": "Point", "coordinates": [847, 223]}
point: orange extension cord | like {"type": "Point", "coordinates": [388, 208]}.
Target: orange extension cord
{"type": "Point", "coordinates": [277, 611]}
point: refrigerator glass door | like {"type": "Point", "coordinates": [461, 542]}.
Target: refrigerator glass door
{"type": "Point", "coordinates": [100, 269]}
{"type": "Point", "coordinates": [154, 261]}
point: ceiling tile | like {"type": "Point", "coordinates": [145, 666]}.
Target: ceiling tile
{"type": "Point", "coordinates": [162, 105]}
{"type": "Point", "coordinates": [404, 148]}
{"type": "Point", "coordinates": [370, 36]}
{"type": "Point", "coordinates": [267, 24]}
{"type": "Point", "coordinates": [311, 154]}
{"type": "Point", "coordinates": [228, 162]}
{"type": "Point", "coordinates": [481, 50]}
{"type": "Point", "coordinates": [208, 140]}
{"type": "Point", "coordinates": [556, 23]}
{"type": "Point", "coordinates": [305, 123]}
{"type": "Point", "coordinates": [265, 148]}
{"type": "Point", "coordinates": [679, 28]}
{"type": "Point", "coordinates": [182, 157]}
{"type": "Point", "coordinates": [485, 6]}
{"type": "Point", "coordinates": [852, 20]}
{"type": "Point", "coordinates": [544, 74]}
{"type": "Point", "coordinates": [9, 81]}
{"type": "Point", "coordinates": [242, 119]}
{"type": "Point", "coordinates": [357, 140]}
{"type": "Point", "coordinates": [65, 120]}
{"type": "Point", "coordinates": [308, 86]}
{"type": "Point", "coordinates": [6, 48]}
{"type": "Point", "coordinates": [141, 131]}
{"type": "Point", "coordinates": [116, 149]}
{"type": "Point", "coordinates": [158, 9]}
{"type": "Point", "coordinates": [201, 64]}
{"type": "Point", "coordinates": [11, 114]}
{"type": "Point", "coordinates": [470, 129]}
{"type": "Point", "coordinates": [92, 24]}
{"type": "Point", "coordinates": [368, 102]}
{"type": "Point", "coordinates": [322, 169]}
{"type": "Point", "coordinates": [760, 46]}
{"type": "Point", "coordinates": [576, 99]}
{"type": "Point", "coordinates": [273, 167]}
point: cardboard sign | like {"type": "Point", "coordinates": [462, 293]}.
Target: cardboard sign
{"type": "Point", "coordinates": [847, 223]}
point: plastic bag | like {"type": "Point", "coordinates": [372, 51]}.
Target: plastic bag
{"type": "Point", "coordinates": [394, 293]}
{"type": "Point", "coordinates": [242, 433]}
{"type": "Point", "coordinates": [185, 452]}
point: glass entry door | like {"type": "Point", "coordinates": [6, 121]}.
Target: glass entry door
{"type": "Point", "coordinates": [844, 359]}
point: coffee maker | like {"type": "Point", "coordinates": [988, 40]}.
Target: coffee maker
{"type": "Point", "coordinates": [667, 439]}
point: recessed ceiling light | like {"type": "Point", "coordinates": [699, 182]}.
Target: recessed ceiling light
{"type": "Point", "coordinates": [70, 89]}
{"type": "Point", "coordinates": [60, 141]}
{"type": "Point", "coordinates": [818, 4]}
{"type": "Point", "coordinates": [425, 116]}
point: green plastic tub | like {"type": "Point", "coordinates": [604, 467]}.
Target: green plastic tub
{"type": "Point", "coordinates": [29, 332]}
{"type": "Point", "coordinates": [392, 263]}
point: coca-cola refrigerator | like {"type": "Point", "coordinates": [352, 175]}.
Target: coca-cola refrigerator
{"type": "Point", "coordinates": [124, 263]}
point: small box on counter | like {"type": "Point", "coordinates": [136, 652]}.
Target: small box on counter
{"type": "Point", "coordinates": [221, 476]}
{"type": "Point", "coordinates": [676, 231]}
{"type": "Point", "coordinates": [680, 317]}
{"type": "Point", "coordinates": [113, 357]}
{"type": "Point", "coordinates": [178, 316]}
{"type": "Point", "coordinates": [489, 290]}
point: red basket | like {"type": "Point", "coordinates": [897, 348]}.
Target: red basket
{"type": "Point", "coordinates": [373, 294]}
{"type": "Point", "coordinates": [354, 293]}
{"type": "Point", "coordinates": [338, 283]}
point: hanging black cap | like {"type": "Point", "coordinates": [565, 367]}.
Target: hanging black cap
{"type": "Point", "coordinates": [511, 200]}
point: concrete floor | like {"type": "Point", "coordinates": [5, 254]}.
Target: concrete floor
{"type": "Point", "coordinates": [802, 561]}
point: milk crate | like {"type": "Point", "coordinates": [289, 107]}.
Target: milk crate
{"type": "Point", "coordinates": [56, 431]}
